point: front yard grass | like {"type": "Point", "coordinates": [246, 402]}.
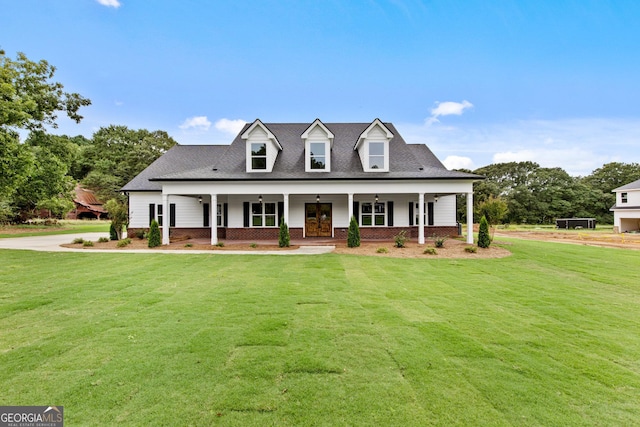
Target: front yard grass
{"type": "Point", "coordinates": [547, 336]}
{"type": "Point", "coordinates": [61, 227]}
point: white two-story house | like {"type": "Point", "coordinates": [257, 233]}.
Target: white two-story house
{"type": "Point", "coordinates": [626, 211]}
{"type": "Point", "coordinates": [315, 176]}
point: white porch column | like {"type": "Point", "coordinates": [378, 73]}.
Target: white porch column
{"type": "Point", "coordinates": [470, 218]}
{"type": "Point", "coordinates": [214, 219]}
{"type": "Point", "coordinates": [421, 218]}
{"type": "Point", "coordinates": [350, 206]}
{"type": "Point", "coordinates": [285, 199]}
{"type": "Point", "coordinates": [166, 219]}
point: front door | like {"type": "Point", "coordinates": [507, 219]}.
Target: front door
{"type": "Point", "coordinates": [318, 220]}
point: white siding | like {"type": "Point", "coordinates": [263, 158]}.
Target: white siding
{"type": "Point", "coordinates": [139, 207]}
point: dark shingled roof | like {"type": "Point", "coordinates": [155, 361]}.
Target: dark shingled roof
{"type": "Point", "coordinates": [635, 185]}
{"type": "Point", "coordinates": [225, 163]}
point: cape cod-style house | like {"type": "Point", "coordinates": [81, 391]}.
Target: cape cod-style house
{"type": "Point", "coordinates": [314, 175]}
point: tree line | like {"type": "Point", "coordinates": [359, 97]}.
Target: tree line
{"type": "Point", "coordinates": [526, 193]}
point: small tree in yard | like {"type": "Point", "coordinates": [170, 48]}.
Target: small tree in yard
{"type": "Point", "coordinates": [483, 233]}
{"type": "Point", "coordinates": [353, 235]}
{"type": "Point", "coordinates": [154, 235]}
{"type": "Point", "coordinates": [113, 235]}
{"type": "Point", "coordinates": [284, 239]}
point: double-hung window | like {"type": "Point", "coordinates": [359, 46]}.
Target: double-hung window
{"type": "Point", "coordinates": [376, 155]}
{"type": "Point", "coordinates": [263, 215]}
{"type": "Point", "coordinates": [258, 155]}
{"type": "Point", "coordinates": [623, 197]}
{"type": "Point", "coordinates": [373, 214]}
{"type": "Point", "coordinates": [318, 155]}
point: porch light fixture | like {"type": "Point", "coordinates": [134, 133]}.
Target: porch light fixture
{"type": "Point", "coordinates": [376, 198]}
{"type": "Point", "coordinates": [435, 198]}
{"type": "Point", "coordinates": [260, 199]}
{"type": "Point", "coordinates": [318, 198]}
{"type": "Point", "coordinates": [200, 199]}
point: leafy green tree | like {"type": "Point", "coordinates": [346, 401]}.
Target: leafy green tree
{"type": "Point", "coordinates": [16, 163]}
{"type": "Point", "coordinates": [28, 97]}
{"type": "Point", "coordinates": [119, 215]}
{"type": "Point", "coordinates": [284, 239]}
{"type": "Point", "coordinates": [603, 180]}
{"type": "Point", "coordinates": [353, 234]}
{"type": "Point", "coordinates": [484, 240]}
{"type": "Point", "coordinates": [154, 234]}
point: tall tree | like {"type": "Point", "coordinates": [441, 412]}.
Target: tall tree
{"type": "Point", "coordinates": [603, 180]}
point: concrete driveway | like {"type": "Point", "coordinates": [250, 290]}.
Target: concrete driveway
{"type": "Point", "coordinates": [52, 244]}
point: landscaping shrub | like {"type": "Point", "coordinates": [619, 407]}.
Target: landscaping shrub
{"type": "Point", "coordinates": [113, 235]}
{"type": "Point", "coordinates": [353, 235]}
{"type": "Point", "coordinates": [87, 243]}
{"type": "Point", "coordinates": [188, 245]}
{"type": "Point", "coordinates": [78, 241]}
{"type": "Point", "coordinates": [430, 251]}
{"type": "Point", "coordinates": [439, 242]}
{"type": "Point", "coordinates": [154, 235]}
{"type": "Point", "coordinates": [382, 250]}
{"type": "Point", "coordinates": [471, 249]}
{"type": "Point", "coordinates": [220, 244]}
{"type": "Point", "coordinates": [141, 234]}
{"type": "Point", "coordinates": [400, 239]}
{"type": "Point", "coordinates": [284, 239]}
{"type": "Point", "coordinates": [254, 245]}
{"type": "Point", "coordinates": [124, 242]}
{"type": "Point", "coordinates": [484, 239]}
{"type": "Point", "coordinates": [103, 240]}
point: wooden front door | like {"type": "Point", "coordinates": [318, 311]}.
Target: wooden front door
{"type": "Point", "coordinates": [318, 220]}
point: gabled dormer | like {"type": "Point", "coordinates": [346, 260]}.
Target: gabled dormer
{"type": "Point", "coordinates": [373, 147]}
{"type": "Point", "coordinates": [262, 147]}
{"type": "Point", "coordinates": [318, 141]}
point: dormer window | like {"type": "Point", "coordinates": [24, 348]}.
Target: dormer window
{"type": "Point", "coordinates": [373, 147]}
{"type": "Point", "coordinates": [262, 147]}
{"type": "Point", "coordinates": [623, 197]}
{"type": "Point", "coordinates": [376, 155]}
{"type": "Point", "coordinates": [258, 155]}
{"type": "Point", "coordinates": [318, 140]}
{"type": "Point", "coordinates": [318, 155]}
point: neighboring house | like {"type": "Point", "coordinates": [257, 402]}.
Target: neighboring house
{"type": "Point", "coordinates": [626, 211]}
{"type": "Point", "coordinates": [313, 175]}
{"type": "Point", "coordinates": [87, 206]}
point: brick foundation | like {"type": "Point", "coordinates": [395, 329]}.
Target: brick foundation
{"type": "Point", "coordinates": [257, 234]}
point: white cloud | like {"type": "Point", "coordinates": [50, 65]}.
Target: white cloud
{"type": "Point", "coordinates": [230, 126]}
{"type": "Point", "coordinates": [447, 109]}
{"type": "Point", "coordinates": [197, 122]}
{"type": "Point", "coordinates": [458, 162]}
{"type": "Point", "coordinates": [110, 3]}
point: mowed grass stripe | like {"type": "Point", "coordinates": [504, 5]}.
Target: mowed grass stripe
{"type": "Point", "coordinates": [547, 336]}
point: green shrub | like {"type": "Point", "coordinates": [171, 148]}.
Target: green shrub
{"type": "Point", "coordinates": [103, 240]}
{"type": "Point", "coordinates": [87, 243]}
{"type": "Point", "coordinates": [484, 239]}
{"type": "Point", "coordinates": [254, 245]}
{"type": "Point", "coordinates": [188, 245]}
{"type": "Point", "coordinates": [141, 234]}
{"type": "Point", "coordinates": [78, 241]}
{"type": "Point", "coordinates": [220, 244]}
{"type": "Point", "coordinates": [439, 242]}
{"type": "Point", "coordinates": [382, 250]}
{"type": "Point", "coordinates": [353, 235]}
{"type": "Point", "coordinates": [284, 239]}
{"type": "Point", "coordinates": [400, 239]}
{"type": "Point", "coordinates": [430, 251]}
{"type": "Point", "coordinates": [124, 242]}
{"type": "Point", "coordinates": [471, 249]}
{"type": "Point", "coordinates": [154, 235]}
{"type": "Point", "coordinates": [113, 235]}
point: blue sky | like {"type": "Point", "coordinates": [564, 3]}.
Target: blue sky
{"type": "Point", "coordinates": [480, 82]}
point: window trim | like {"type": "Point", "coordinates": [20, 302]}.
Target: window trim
{"type": "Point", "coordinates": [373, 216]}
{"type": "Point", "coordinates": [624, 197]}
{"type": "Point", "coordinates": [311, 157]}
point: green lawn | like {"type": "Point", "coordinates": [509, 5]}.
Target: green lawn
{"type": "Point", "coordinates": [548, 336]}
{"type": "Point", "coordinates": [62, 227]}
